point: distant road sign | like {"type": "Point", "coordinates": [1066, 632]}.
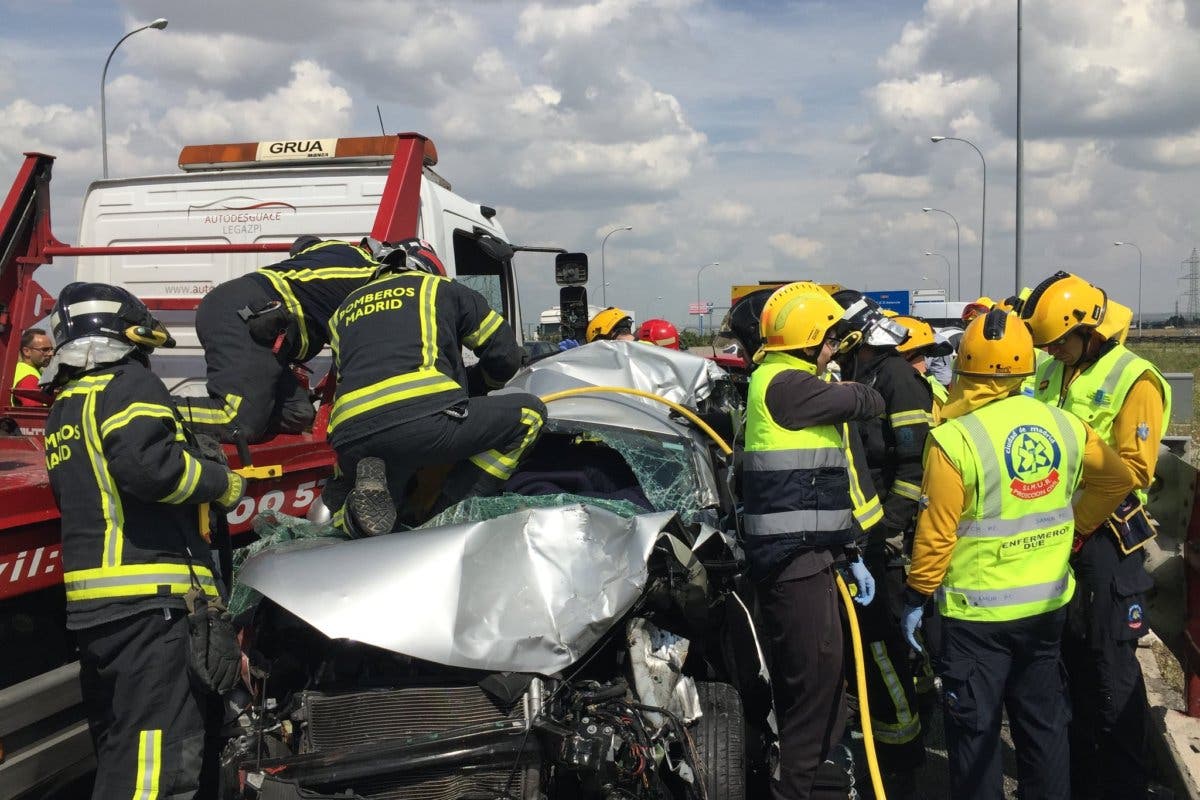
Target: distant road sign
{"type": "Point", "coordinates": [700, 309]}
{"type": "Point", "coordinates": [897, 300]}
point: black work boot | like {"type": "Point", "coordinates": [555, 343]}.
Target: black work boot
{"type": "Point", "coordinates": [369, 504]}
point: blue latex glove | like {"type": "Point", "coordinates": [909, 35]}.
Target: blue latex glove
{"type": "Point", "coordinates": [567, 344]}
{"type": "Point", "coordinates": [910, 620]}
{"type": "Point", "coordinates": [866, 584]}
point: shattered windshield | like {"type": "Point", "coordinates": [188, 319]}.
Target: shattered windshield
{"type": "Point", "coordinates": [664, 469]}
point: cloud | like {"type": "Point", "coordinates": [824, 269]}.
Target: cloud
{"type": "Point", "coordinates": [795, 247]}
{"type": "Point", "coordinates": [880, 185]}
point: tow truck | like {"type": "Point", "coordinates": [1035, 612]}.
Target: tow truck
{"type": "Point", "coordinates": [44, 739]}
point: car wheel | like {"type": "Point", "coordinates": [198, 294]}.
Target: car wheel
{"type": "Point", "coordinates": [720, 738]}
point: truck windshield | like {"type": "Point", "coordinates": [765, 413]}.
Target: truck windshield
{"type": "Point", "coordinates": [475, 268]}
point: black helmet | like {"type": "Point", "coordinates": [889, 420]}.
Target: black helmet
{"type": "Point", "coordinates": [302, 243]}
{"type": "Point", "coordinates": [865, 323]}
{"type": "Point", "coordinates": [98, 309]}
{"type": "Point", "coordinates": [408, 254]}
{"type": "Point", "coordinates": [742, 323]}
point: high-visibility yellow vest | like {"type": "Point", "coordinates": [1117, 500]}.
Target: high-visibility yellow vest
{"type": "Point", "coordinates": [801, 488]}
{"type": "Point", "coordinates": [1098, 393]}
{"type": "Point", "coordinates": [22, 372]}
{"type": "Point", "coordinates": [1020, 461]}
{"type": "Point", "coordinates": [940, 396]}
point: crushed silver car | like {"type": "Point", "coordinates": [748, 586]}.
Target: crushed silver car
{"type": "Point", "coordinates": [580, 635]}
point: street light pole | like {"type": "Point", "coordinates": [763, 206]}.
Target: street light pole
{"type": "Point", "coordinates": [157, 25]}
{"type": "Point", "coordinates": [931, 253]}
{"type": "Point", "coordinates": [701, 316]}
{"type": "Point", "coordinates": [603, 280]}
{"type": "Point", "coordinates": [983, 209]}
{"type": "Point", "coordinates": [1135, 247]}
{"type": "Point", "coordinates": [958, 258]}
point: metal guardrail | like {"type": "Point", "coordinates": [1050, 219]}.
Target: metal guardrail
{"type": "Point", "coordinates": [1182, 385]}
{"type": "Point", "coordinates": [44, 733]}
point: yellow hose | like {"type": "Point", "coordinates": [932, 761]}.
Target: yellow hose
{"type": "Point", "coordinates": [864, 710]}
{"type": "Point", "coordinates": [855, 636]}
{"type": "Point", "coordinates": [687, 412]}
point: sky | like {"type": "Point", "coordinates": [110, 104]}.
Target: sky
{"type": "Point", "coordinates": [784, 140]}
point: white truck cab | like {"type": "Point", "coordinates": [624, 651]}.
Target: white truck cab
{"type": "Point", "coordinates": [269, 192]}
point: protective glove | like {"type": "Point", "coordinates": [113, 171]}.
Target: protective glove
{"type": "Point", "coordinates": [866, 583]}
{"type": "Point", "coordinates": [910, 620]}
{"type": "Point", "coordinates": [567, 344]}
{"type": "Point", "coordinates": [234, 491]}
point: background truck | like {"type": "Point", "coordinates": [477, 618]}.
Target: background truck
{"type": "Point", "coordinates": [170, 239]}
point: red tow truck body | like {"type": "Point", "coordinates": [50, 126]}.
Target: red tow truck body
{"type": "Point", "coordinates": [43, 737]}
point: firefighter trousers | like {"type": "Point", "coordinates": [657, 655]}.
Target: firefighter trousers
{"type": "Point", "coordinates": [895, 719]}
{"type": "Point", "coordinates": [1110, 732]}
{"type": "Point", "coordinates": [251, 388]}
{"type": "Point", "coordinates": [484, 437]}
{"type": "Point", "coordinates": [1014, 666]}
{"type": "Point", "coordinates": [805, 646]}
{"type": "Point", "coordinates": [148, 722]}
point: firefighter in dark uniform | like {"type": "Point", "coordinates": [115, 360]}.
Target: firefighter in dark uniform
{"type": "Point", "coordinates": [127, 484]}
{"type": "Point", "coordinates": [254, 327]}
{"type": "Point", "coordinates": [806, 501]}
{"type": "Point", "coordinates": [402, 401]}
{"type": "Point", "coordinates": [894, 443]}
{"type": "Point", "coordinates": [1128, 403]}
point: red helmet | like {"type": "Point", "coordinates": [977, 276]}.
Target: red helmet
{"type": "Point", "coordinates": [659, 332]}
{"type": "Point", "coordinates": [409, 254]}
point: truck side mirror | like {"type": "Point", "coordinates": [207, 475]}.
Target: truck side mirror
{"type": "Point", "coordinates": [495, 248]}
{"type": "Point", "coordinates": [570, 269]}
{"type": "Point", "coordinates": [573, 306]}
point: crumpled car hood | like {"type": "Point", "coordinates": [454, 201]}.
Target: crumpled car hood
{"type": "Point", "coordinates": [525, 592]}
{"type": "Point", "coordinates": [683, 377]}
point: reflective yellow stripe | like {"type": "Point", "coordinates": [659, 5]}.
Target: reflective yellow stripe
{"type": "Point", "coordinates": [85, 385]}
{"type": "Point", "coordinates": [388, 391]}
{"type": "Point", "coordinates": [491, 323]}
{"type": "Point", "coordinates": [212, 416]}
{"type": "Point", "coordinates": [149, 765]}
{"type": "Point", "coordinates": [867, 511]}
{"type": "Point", "coordinates": [502, 465]}
{"type": "Point", "coordinates": [136, 580]}
{"type": "Point", "coordinates": [906, 489]}
{"type": "Point", "coordinates": [110, 501]}
{"type": "Point", "coordinates": [134, 410]}
{"type": "Point", "coordinates": [915, 417]}
{"type": "Point", "coordinates": [907, 726]}
{"type": "Point", "coordinates": [427, 308]}
{"type": "Point", "coordinates": [187, 481]}
{"type": "Point", "coordinates": [293, 305]}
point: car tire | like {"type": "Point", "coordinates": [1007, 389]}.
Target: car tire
{"type": "Point", "coordinates": [720, 739]}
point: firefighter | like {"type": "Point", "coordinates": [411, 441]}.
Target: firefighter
{"type": "Point", "coordinates": [922, 344]}
{"type": "Point", "coordinates": [893, 442]}
{"type": "Point", "coordinates": [127, 484]}
{"type": "Point", "coordinates": [807, 499]}
{"type": "Point", "coordinates": [402, 399]}
{"type": "Point", "coordinates": [992, 544]}
{"type": "Point", "coordinates": [1128, 403]}
{"type": "Point", "coordinates": [36, 349]}
{"type": "Point", "coordinates": [254, 327]}
{"type": "Point", "coordinates": [659, 332]}
{"type": "Point", "coordinates": [611, 324]}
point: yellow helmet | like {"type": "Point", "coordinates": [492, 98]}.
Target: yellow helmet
{"type": "Point", "coordinates": [608, 323]}
{"type": "Point", "coordinates": [798, 315]}
{"type": "Point", "coordinates": [995, 345]}
{"type": "Point", "coordinates": [921, 337]}
{"type": "Point", "coordinates": [1060, 304]}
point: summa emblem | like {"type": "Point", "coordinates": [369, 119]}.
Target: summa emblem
{"type": "Point", "coordinates": [1032, 458]}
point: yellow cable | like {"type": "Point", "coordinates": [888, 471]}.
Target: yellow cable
{"type": "Point", "coordinates": [687, 412]}
{"type": "Point", "coordinates": [864, 710]}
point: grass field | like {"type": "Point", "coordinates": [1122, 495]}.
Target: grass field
{"type": "Point", "coordinates": [1175, 357]}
